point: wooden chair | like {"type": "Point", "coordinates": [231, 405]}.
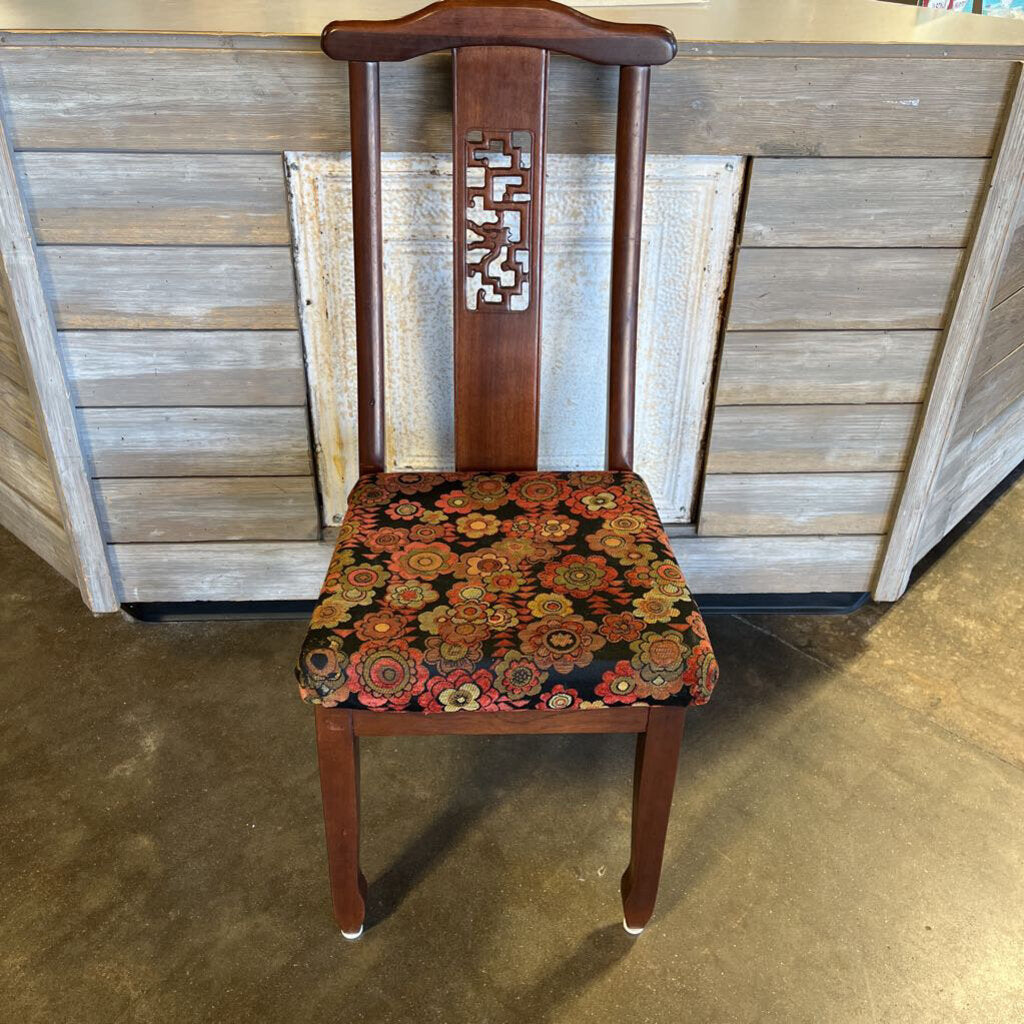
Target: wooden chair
{"type": "Point", "coordinates": [365, 685]}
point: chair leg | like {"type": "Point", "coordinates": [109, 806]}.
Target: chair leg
{"type": "Point", "coordinates": [654, 777]}
{"type": "Point", "coordinates": [338, 755]}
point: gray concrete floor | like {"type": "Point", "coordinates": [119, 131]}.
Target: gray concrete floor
{"type": "Point", "coordinates": [846, 844]}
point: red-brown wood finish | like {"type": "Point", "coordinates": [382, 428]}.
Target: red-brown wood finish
{"type": "Point", "coordinates": [338, 754]}
{"type": "Point", "coordinates": [500, 65]}
{"type": "Point", "coordinates": [533, 23]}
{"type": "Point", "coordinates": [497, 351]}
{"type": "Point", "coordinates": [654, 778]}
{"type": "Point", "coordinates": [368, 262]}
{"type": "Point", "coordinates": [630, 151]}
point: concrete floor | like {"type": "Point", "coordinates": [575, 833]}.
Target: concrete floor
{"type": "Point", "coordinates": [846, 845]}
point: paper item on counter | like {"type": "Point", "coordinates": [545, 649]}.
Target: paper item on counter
{"type": "Point", "coordinates": [1003, 8]}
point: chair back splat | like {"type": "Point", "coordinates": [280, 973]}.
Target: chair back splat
{"type": "Point", "coordinates": [500, 54]}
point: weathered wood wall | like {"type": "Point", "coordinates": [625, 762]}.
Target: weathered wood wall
{"type": "Point", "coordinates": [163, 243]}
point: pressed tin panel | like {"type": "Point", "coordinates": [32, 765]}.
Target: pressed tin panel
{"type": "Point", "coordinates": [689, 221]}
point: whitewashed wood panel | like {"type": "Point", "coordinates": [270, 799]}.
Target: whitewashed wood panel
{"type": "Point", "coordinates": [28, 473]}
{"type": "Point", "coordinates": [136, 287]}
{"type": "Point", "coordinates": [990, 393]}
{"type": "Point", "coordinates": [10, 360]}
{"type": "Point", "coordinates": [1003, 333]}
{"type": "Point", "coordinates": [295, 571]}
{"type": "Point", "coordinates": [155, 198]}
{"type": "Point", "coordinates": [798, 367]}
{"type": "Point", "coordinates": [36, 530]}
{"type": "Point", "coordinates": [810, 438]}
{"type": "Point", "coordinates": [842, 289]}
{"type": "Point", "coordinates": [208, 509]}
{"type": "Point", "coordinates": [864, 202]}
{"type": "Point", "coordinates": [1011, 280]}
{"type": "Point", "coordinates": [129, 368]}
{"type": "Point", "coordinates": [196, 442]}
{"type": "Point", "coordinates": [797, 503]}
{"type": "Point", "coordinates": [139, 99]}
{"type": "Point", "coordinates": [18, 417]}
{"type": "Point", "coordinates": [688, 224]}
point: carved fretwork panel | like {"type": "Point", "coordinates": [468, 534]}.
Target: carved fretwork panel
{"type": "Point", "coordinates": [499, 221]}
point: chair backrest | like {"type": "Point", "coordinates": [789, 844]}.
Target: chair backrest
{"type": "Point", "coordinates": [500, 54]}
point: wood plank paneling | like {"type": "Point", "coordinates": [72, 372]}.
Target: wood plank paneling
{"type": "Point", "coordinates": [18, 417]}
{"type": "Point", "coordinates": [155, 198]}
{"type": "Point", "coordinates": [799, 367]}
{"type": "Point", "coordinates": [208, 509]}
{"type": "Point", "coordinates": [132, 368]}
{"type": "Point", "coordinates": [1011, 280]}
{"type": "Point", "coordinates": [1004, 332]}
{"type": "Point", "coordinates": [810, 438]}
{"type": "Point", "coordinates": [136, 287]}
{"type": "Point", "coordinates": [778, 565]}
{"type": "Point", "coordinates": [797, 503]}
{"type": "Point", "coordinates": [36, 530]}
{"type": "Point", "coordinates": [220, 572]}
{"type": "Point", "coordinates": [875, 203]}
{"type": "Point", "coordinates": [140, 99]}
{"type": "Point", "coordinates": [991, 392]}
{"type": "Point", "coordinates": [196, 442]}
{"type": "Point", "coordinates": [842, 289]}
{"type": "Point", "coordinates": [295, 571]}
{"type": "Point", "coordinates": [10, 360]}
{"type": "Point", "coordinates": [28, 473]}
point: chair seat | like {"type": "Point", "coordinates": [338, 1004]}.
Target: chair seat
{"type": "Point", "coordinates": [501, 591]}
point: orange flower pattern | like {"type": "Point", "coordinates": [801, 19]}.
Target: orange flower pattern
{"type": "Point", "coordinates": [454, 592]}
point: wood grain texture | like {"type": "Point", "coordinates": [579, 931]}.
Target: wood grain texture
{"type": "Point", "coordinates": [29, 314]}
{"type": "Point", "coordinates": [988, 394]}
{"type": "Point", "coordinates": [1011, 279]}
{"type": "Point", "coordinates": [879, 203]}
{"type": "Point", "coordinates": [10, 360]}
{"type": "Point", "coordinates": [138, 287]}
{"type": "Point", "coordinates": [295, 571]}
{"type": "Point", "coordinates": [36, 530]}
{"type": "Point", "coordinates": [797, 503]}
{"type": "Point", "coordinates": [802, 367]}
{"type": "Point", "coordinates": [1004, 332]}
{"type": "Point", "coordinates": [28, 473]}
{"type": "Point", "coordinates": [810, 438]}
{"type": "Point", "coordinates": [18, 416]}
{"type": "Point", "coordinates": [154, 198]}
{"type": "Point", "coordinates": [196, 442]}
{"type": "Point", "coordinates": [778, 565]}
{"type": "Point", "coordinates": [182, 368]}
{"type": "Point", "coordinates": [207, 509]}
{"type": "Point", "coordinates": [842, 289]}
{"type": "Point", "coordinates": [144, 99]}
{"type": "Point", "coordinates": [503, 723]}
{"type": "Point", "coordinates": [963, 337]}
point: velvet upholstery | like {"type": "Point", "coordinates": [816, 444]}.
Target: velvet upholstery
{"type": "Point", "coordinates": [496, 591]}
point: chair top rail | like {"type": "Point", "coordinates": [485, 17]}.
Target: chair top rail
{"type": "Point", "coordinates": [541, 24]}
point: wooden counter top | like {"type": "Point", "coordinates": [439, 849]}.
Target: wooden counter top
{"type": "Point", "coordinates": [718, 26]}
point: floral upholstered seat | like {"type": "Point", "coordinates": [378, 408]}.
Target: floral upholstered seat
{"type": "Point", "coordinates": [499, 591]}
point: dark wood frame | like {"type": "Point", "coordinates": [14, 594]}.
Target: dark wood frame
{"type": "Point", "coordinates": [500, 50]}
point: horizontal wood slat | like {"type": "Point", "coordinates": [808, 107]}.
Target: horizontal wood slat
{"type": "Point", "coordinates": [149, 368]}
{"type": "Point", "coordinates": [140, 99]}
{"type": "Point", "coordinates": [799, 367]}
{"type": "Point", "coordinates": [196, 442]}
{"type": "Point", "coordinates": [992, 392]}
{"type": "Point", "coordinates": [864, 202]}
{"type": "Point", "coordinates": [18, 417]}
{"type": "Point", "coordinates": [208, 509]}
{"type": "Point", "coordinates": [137, 287]}
{"type": "Point", "coordinates": [28, 473]}
{"type": "Point", "coordinates": [1004, 332]}
{"type": "Point", "coordinates": [36, 530]}
{"type": "Point", "coordinates": [155, 198]}
{"type": "Point", "coordinates": [797, 503]}
{"type": "Point", "coordinates": [810, 438]}
{"type": "Point", "coordinates": [842, 289]}
{"type": "Point", "coordinates": [295, 571]}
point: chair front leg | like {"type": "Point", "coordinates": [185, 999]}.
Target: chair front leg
{"type": "Point", "coordinates": [338, 755]}
{"type": "Point", "coordinates": [654, 777]}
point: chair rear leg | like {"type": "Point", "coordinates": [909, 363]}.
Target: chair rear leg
{"type": "Point", "coordinates": [654, 777]}
{"type": "Point", "coordinates": [338, 755]}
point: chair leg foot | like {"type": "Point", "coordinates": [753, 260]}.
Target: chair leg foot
{"type": "Point", "coordinates": [654, 777]}
{"type": "Point", "coordinates": [338, 755]}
